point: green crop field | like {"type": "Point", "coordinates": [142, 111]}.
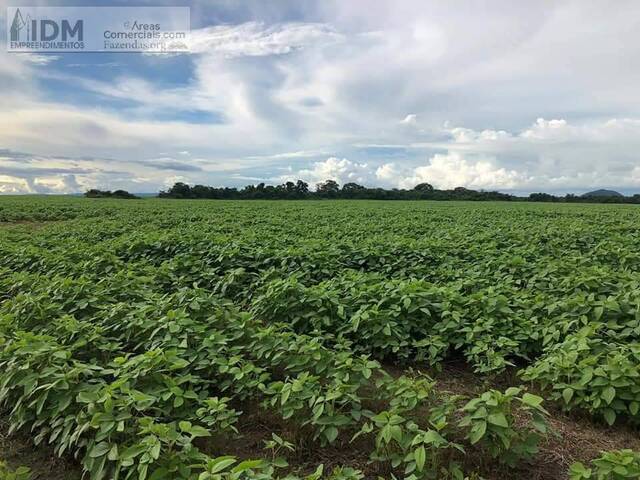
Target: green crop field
{"type": "Point", "coordinates": [175, 339]}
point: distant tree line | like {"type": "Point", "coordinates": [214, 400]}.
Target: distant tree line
{"type": "Point", "coordinates": [95, 193]}
{"type": "Point", "coordinates": [571, 198]}
{"type": "Point", "coordinates": [299, 190]}
{"type": "Point", "coordinates": [329, 189]}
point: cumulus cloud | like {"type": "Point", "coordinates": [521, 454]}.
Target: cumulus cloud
{"type": "Point", "coordinates": [340, 170]}
{"type": "Point", "coordinates": [549, 154]}
{"type": "Point", "coordinates": [24, 172]}
{"type": "Point", "coordinates": [546, 129]}
{"type": "Point", "coordinates": [558, 130]}
{"type": "Point", "coordinates": [446, 171]}
{"type": "Point", "coordinates": [13, 185]}
{"type": "Point", "coordinates": [60, 184]}
{"type": "Point", "coordinates": [468, 135]}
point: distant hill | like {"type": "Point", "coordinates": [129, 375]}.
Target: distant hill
{"type": "Point", "coordinates": [603, 193]}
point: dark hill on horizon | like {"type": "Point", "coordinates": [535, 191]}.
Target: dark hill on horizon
{"type": "Point", "coordinates": [602, 193]}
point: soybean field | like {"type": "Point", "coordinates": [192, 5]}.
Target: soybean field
{"type": "Point", "coordinates": [195, 339]}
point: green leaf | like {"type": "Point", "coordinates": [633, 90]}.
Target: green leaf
{"type": "Point", "coordinates": [220, 464]}
{"type": "Point", "coordinates": [99, 450]}
{"type": "Point", "coordinates": [477, 432]}
{"type": "Point", "coordinates": [608, 394]}
{"type": "Point", "coordinates": [567, 394]}
{"type": "Point", "coordinates": [597, 313]}
{"type": "Point", "coordinates": [610, 416]}
{"type": "Point", "coordinates": [532, 400]}
{"type": "Point", "coordinates": [433, 437]}
{"type": "Point", "coordinates": [143, 468]}
{"type": "Point", "coordinates": [159, 474]}
{"type": "Point", "coordinates": [197, 431]}
{"type": "Point", "coordinates": [420, 456]}
{"type": "Point", "coordinates": [285, 395]}
{"type": "Point", "coordinates": [498, 419]}
{"type": "Point", "coordinates": [280, 463]}
{"type": "Point", "coordinates": [539, 423]}
{"type": "Point", "coordinates": [331, 433]}
{"type": "Point", "coordinates": [132, 452]}
{"type": "Point", "coordinates": [247, 465]}
{"type": "Point", "coordinates": [155, 451]}
{"type": "Point", "coordinates": [316, 474]}
{"type": "Point", "coordinates": [113, 453]}
{"type": "Point", "coordinates": [512, 391]}
{"type": "Point", "coordinates": [577, 471]}
{"type": "Point", "coordinates": [86, 397]}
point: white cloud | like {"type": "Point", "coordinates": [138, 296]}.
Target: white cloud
{"type": "Point", "coordinates": [443, 171]}
{"type": "Point", "coordinates": [256, 39]}
{"type": "Point", "coordinates": [388, 174]}
{"type": "Point", "coordinates": [545, 129]}
{"type": "Point", "coordinates": [13, 185]}
{"type": "Point", "coordinates": [410, 119]}
{"type": "Point", "coordinates": [59, 184]}
{"type": "Point", "coordinates": [606, 140]}
{"type": "Point", "coordinates": [38, 59]}
{"type": "Point", "coordinates": [340, 170]}
{"type": "Point", "coordinates": [550, 154]}
{"type": "Point", "coordinates": [446, 171]}
{"type": "Point", "coordinates": [467, 135]}
{"type": "Point", "coordinates": [287, 155]}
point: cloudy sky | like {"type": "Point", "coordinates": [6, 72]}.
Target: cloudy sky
{"type": "Point", "coordinates": [513, 96]}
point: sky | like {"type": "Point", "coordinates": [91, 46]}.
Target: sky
{"type": "Point", "coordinates": [518, 97]}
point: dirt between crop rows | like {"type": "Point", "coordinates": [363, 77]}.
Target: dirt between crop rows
{"type": "Point", "coordinates": [574, 438]}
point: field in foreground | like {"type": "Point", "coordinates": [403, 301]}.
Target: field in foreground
{"type": "Point", "coordinates": [205, 339]}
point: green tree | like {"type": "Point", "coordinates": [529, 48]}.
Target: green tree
{"type": "Point", "coordinates": [329, 189]}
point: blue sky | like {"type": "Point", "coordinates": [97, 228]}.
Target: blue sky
{"type": "Point", "coordinates": [512, 96]}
